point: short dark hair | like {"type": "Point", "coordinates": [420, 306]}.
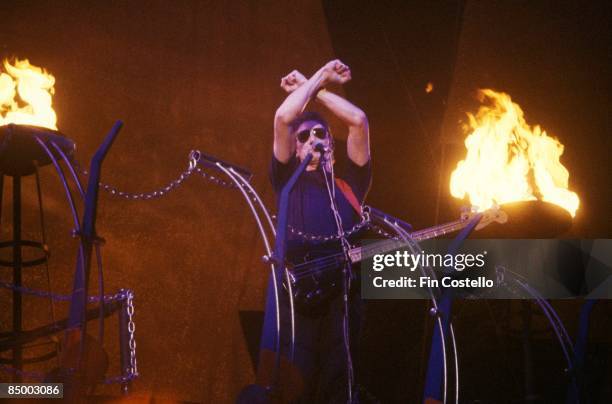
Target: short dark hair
{"type": "Point", "coordinates": [309, 116]}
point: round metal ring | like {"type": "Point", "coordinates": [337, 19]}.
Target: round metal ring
{"type": "Point", "coordinates": [26, 243]}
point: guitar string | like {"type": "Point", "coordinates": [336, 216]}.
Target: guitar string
{"type": "Point", "coordinates": [304, 269]}
{"type": "Point", "coordinates": [317, 271]}
{"type": "Point", "coordinates": [301, 269]}
{"type": "Point", "coordinates": [331, 261]}
{"type": "Point", "coordinates": [310, 267]}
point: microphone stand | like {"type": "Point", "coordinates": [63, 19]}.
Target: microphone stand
{"type": "Point", "coordinates": [280, 252]}
{"type": "Point", "coordinates": [346, 281]}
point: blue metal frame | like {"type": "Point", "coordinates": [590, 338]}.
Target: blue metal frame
{"type": "Point", "coordinates": [435, 369]}
{"type": "Point", "coordinates": [280, 252]}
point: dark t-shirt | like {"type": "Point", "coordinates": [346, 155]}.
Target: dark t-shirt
{"type": "Point", "coordinates": [309, 205]}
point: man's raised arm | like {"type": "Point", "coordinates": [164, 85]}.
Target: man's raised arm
{"type": "Point", "coordinates": [296, 101]}
{"type": "Point", "coordinates": [358, 142]}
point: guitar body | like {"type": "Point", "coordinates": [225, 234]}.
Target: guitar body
{"type": "Point", "coordinates": [316, 270]}
{"type": "Point", "coordinates": [316, 273]}
{"type": "Point", "coordinates": [316, 276]}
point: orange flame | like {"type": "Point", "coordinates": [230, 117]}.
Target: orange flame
{"type": "Point", "coordinates": [26, 95]}
{"type": "Point", "coordinates": [509, 161]}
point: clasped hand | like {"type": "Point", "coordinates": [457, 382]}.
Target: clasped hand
{"type": "Point", "coordinates": [332, 72]}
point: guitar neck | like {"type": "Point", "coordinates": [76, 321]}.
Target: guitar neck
{"type": "Point", "coordinates": [358, 254]}
{"type": "Point", "coordinates": [436, 231]}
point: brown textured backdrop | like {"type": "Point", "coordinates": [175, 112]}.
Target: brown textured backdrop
{"type": "Point", "coordinates": [181, 75]}
{"type": "Point", "coordinates": [194, 74]}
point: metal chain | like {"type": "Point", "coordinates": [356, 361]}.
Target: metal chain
{"type": "Point", "coordinates": [217, 180]}
{"type": "Point", "coordinates": [30, 375]}
{"type": "Point", "coordinates": [365, 223]}
{"type": "Point", "coordinates": [329, 237]}
{"type": "Point", "coordinates": [121, 295]}
{"type": "Point", "coordinates": [120, 379]}
{"type": "Point", "coordinates": [193, 166]}
{"type": "Point", "coordinates": [170, 186]}
{"type": "Point", "coordinates": [133, 371]}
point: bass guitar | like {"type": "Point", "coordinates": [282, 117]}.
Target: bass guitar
{"type": "Point", "coordinates": [316, 276]}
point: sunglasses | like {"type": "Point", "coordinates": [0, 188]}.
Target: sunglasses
{"type": "Point", "coordinates": [304, 135]}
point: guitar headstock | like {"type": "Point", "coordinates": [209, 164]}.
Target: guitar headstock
{"type": "Point", "coordinates": [493, 214]}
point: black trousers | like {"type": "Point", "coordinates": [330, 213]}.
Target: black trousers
{"type": "Point", "coordinates": [320, 351]}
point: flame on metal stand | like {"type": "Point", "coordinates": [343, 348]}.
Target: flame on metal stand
{"type": "Point", "coordinates": [509, 161]}
{"type": "Point", "coordinates": [26, 95]}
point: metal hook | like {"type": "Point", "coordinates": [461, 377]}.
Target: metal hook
{"type": "Point", "coordinates": [194, 158]}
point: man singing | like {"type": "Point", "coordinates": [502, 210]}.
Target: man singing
{"type": "Point", "coordinates": [322, 367]}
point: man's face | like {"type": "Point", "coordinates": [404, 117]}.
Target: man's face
{"type": "Point", "coordinates": [303, 148]}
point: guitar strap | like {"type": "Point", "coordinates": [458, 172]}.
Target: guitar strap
{"type": "Point", "coordinates": [349, 195]}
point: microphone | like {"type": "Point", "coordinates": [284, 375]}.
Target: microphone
{"type": "Point", "coordinates": [321, 148]}
{"type": "Point", "coordinates": [325, 153]}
